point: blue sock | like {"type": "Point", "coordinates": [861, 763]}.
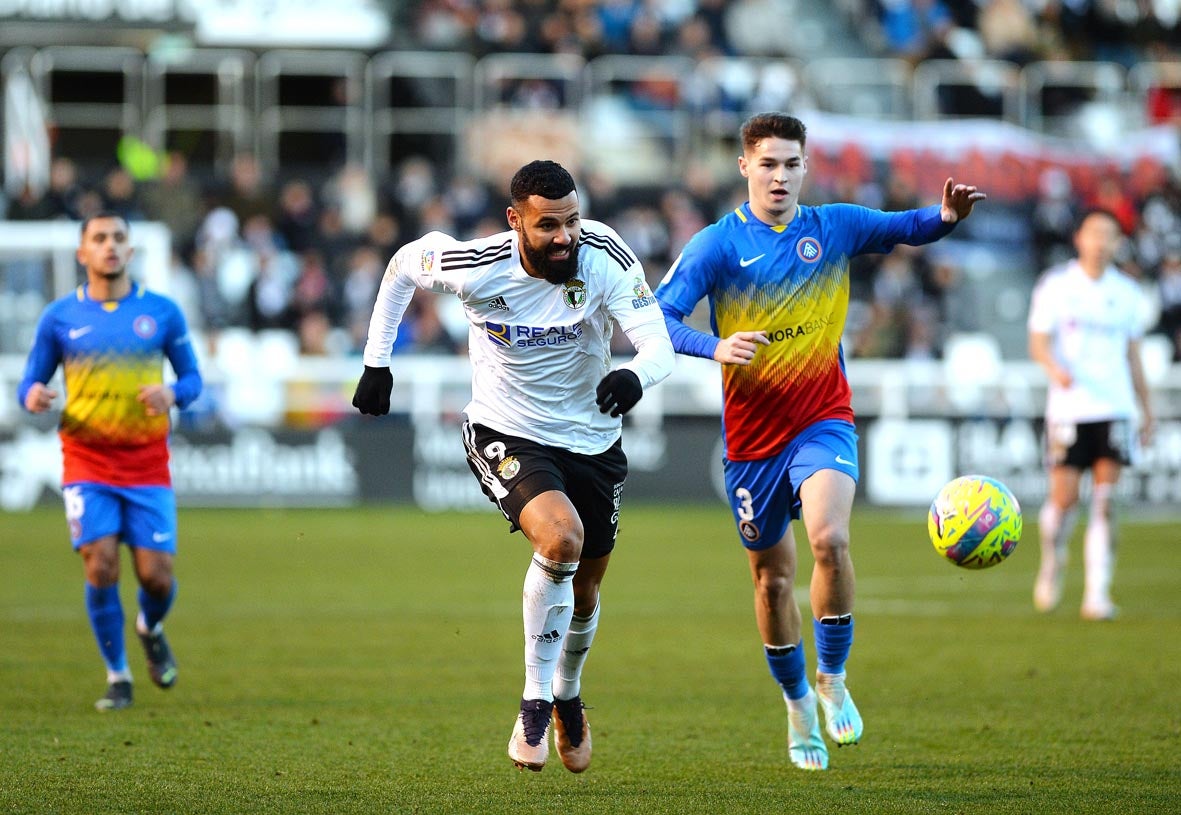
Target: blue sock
{"type": "Point", "coordinates": [106, 619]}
{"type": "Point", "coordinates": [787, 667]}
{"type": "Point", "coordinates": [154, 609]}
{"type": "Point", "coordinates": [834, 637]}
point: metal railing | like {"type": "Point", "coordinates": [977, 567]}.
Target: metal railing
{"type": "Point", "coordinates": [397, 95]}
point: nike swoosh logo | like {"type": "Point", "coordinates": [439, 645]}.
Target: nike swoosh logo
{"type": "Point", "coordinates": [75, 333]}
{"type": "Point", "coordinates": [844, 461]}
{"type": "Point", "coordinates": [160, 537]}
{"type": "Point", "coordinates": [743, 262]}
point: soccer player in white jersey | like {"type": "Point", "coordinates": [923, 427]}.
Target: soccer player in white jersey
{"type": "Point", "coordinates": [543, 428]}
{"type": "Point", "coordinates": [1084, 330]}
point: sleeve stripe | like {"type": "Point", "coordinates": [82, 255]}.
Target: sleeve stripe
{"type": "Point", "coordinates": [470, 258]}
{"type": "Point", "coordinates": [616, 250]}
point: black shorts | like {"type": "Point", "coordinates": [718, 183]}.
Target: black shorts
{"type": "Point", "coordinates": [512, 471]}
{"type": "Point", "coordinates": [1081, 445]}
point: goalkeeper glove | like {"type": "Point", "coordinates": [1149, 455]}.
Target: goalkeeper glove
{"type": "Point", "coordinates": [372, 396]}
{"type": "Point", "coordinates": [618, 392]}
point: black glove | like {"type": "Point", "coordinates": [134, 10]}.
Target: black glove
{"type": "Point", "coordinates": [618, 392]}
{"type": "Point", "coordinates": [372, 396]}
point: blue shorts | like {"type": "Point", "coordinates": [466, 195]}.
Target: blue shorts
{"type": "Point", "coordinates": [765, 494]}
{"type": "Point", "coordinates": [142, 517]}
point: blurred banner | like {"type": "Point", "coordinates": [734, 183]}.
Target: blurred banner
{"type": "Point", "coordinates": [259, 23]}
{"type": "Point", "coordinates": [903, 463]}
{"type": "Point", "coordinates": [26, 138]}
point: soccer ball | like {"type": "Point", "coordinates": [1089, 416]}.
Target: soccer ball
{"type": "Point", "coordinates": [975, 522]}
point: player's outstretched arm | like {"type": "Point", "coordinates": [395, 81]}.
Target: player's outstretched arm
{"type": "Point", "coordinates": [958, 200]}
{"type": "Point", "coordinates": [740, 347]}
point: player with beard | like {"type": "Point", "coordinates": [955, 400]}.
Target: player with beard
{"type": "Point", "coordinates": [543, 428]}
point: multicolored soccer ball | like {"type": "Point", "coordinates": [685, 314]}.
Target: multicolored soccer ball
{"type": "Point", "coordinates": [975, 522]}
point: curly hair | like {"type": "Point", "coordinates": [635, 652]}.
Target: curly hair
{"type": "Point", "coordinates": [545, 178]}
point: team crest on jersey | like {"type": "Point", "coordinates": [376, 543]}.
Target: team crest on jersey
{"type": "Point", "coordinates": [574, 293]}
{"type": "Point", "coordinates": [643, 294]}
{"type": "Point", "coordinates": [749, 531]}
{"type": "Point", "coordinates": [808, 249]}
{"type": "Point", "coordinates": [144, 326]}
{"type": "Point", "coordinates": [428, 260]}
{"type": "Point", "coordinates": [508, 469]}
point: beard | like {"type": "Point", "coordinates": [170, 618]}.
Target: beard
{"type": "Point", "coordinates": [556, 272]}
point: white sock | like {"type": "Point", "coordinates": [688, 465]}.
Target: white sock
{"type": "Point", "coordinates": [547, 606]}
{"type": "Point", "coordinates": [1055, 527]}
{"type": "Point", "coordinates": [1098, 549]}
{"type": "Point", "coordinates": [804, 703]}
{"type": "Point", "coordinates": [568, 680]}
{"type": "Point", "coordinates": [118, 676]}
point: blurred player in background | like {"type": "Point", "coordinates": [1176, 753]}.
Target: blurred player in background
{"type": "Point", "coordinates": [543, 428]}
{"type": "Point", "coordinates": [1084, 330]}
{"type": "Point", "coordinates": [776, 275]}
{"type": "Point", "coordinates": [110, 336]}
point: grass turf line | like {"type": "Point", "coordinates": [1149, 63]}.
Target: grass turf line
{"type": "Point", "coordinates": [369, 660]}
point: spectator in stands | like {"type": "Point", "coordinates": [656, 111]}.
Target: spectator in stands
{"type": "Point", "coordinates": [64, 188]}
{"type": "Point", "coordinates": [1111, 195]}
{"type": "Point", "coordinates": [352, 192]}
{"type": "Point", "coordinates": [1169, 282]}
{"type": "Point", "coordinates": [314, 290]}
{"type": "Point", "coordinates": [362, 277]}
{"type": "Point", "coordinates": [1008, 31]}
{"type": "Point", "coordinates": [424, 329]}
{"type": "Point", "coordinates": [385, 234]}
{"type": "Point", "coordinates": [1054, 214]}
{"type": "Point", "coordinates": [247, 195]}
{"type": "Point", "coordinates": [897, 295]}
{"type": "Point", "coordinates": [269, 301]}
{"type": "Point", "coordinates": [333, 241]}
{"type": "Point", "coordinates": [1160, 223]}
{"type": "Point", "coordinates": [30, 205]}
{"type": "Point", "coordinates": [176, 200]}
{"type": "Point", "coordinates": [120, 195]}
{"type": "Point", "coordinates": [314, 330]}
{"type": "Point", "coordinates": [297, 215]}
{"type": "Point", "coordinates": [912, 28]}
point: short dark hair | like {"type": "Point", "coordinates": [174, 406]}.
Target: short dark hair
{"type": "Point", "coordinates": [545, 178]}
{"type": "Point", "coordinates": [772, 125]}
{"type": "Point", "coordinates": [106, 213]}
{"type": "Point", "coordinates": [1104, 211]}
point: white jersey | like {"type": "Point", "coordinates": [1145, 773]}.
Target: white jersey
{"type": "Point", "coordinates": [538, 350]}
{"type": "Point", "coordinates": [1090, 323]}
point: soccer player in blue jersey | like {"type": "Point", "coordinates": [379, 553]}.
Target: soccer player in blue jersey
{"type": "Point", "coordinates": [776, 275]}
{"type": "Point", "coordinates": [111, 336]}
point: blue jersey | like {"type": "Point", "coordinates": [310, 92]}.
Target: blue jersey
{"type": "Point", "coordinates": [791, 281]}
{"type": "Point", "coordinates": [108, 350]}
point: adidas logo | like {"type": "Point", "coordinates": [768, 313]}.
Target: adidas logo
{"type": "Point", "coordinates": [547, 637]}
{"type": "Point", "coordinates": [497, 303]}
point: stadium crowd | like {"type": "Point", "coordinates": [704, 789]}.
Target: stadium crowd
{"type": "Point", "coordinates": [305, 252]}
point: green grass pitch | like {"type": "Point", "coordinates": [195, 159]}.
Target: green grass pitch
{"type": "Point", "coordinates": [365, 661]}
